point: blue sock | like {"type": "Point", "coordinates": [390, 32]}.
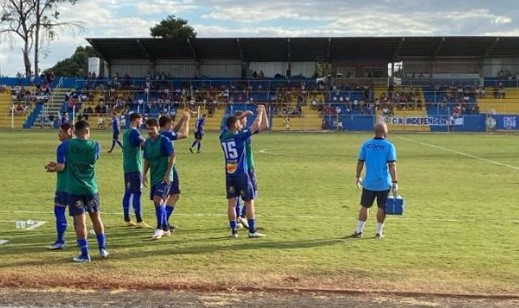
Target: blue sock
{"type": "Point", "coordinates": [233, 225]}
{"type": "Point", "coordinates": [238, 207]}
{"type": "Point", "coordinates": [101, 241]}
{"type": "Point", "coordinates": [61, 223]}
{"type": "Point", "coordinates": [252, 225]}
{"type": "Point", "coordinates": [199, 145]}
{"type": "Point", "coordinates": [193, 144]}
{"type": "Point", "coordinates": [158, 214]}
{"type": "Point", "coordinates": [126, 206]}
{"type": "Point", "coordinates": [83, 246]}
{"type": "Point", "coordinates": [169, 211]}
{"type": "Point", "coordinates": [164, 223]}
{"type": "Point", "coordinates": [136, 202]}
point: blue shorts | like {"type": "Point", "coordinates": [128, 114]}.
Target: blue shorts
{"type": "Point", "coordinates": [160, 190]}
{"type": "Point", "coordinates": [132, 182]}
{"type": "Point", "coordinates": [239, 185]}
{"type": "Point", "coordinates": [80, 204]}
{"type": "Point", "coordinates": [60, 198]}
{"type": "Point", "coordinates": [198, 135]}
{"type": "Point", "coordinates": [252, 177]}
{"type": "Point", "coordinates": [175, 185]}
{"type": "Point", "coordinates": [115, 136]}
{"type": "Point", "coordinates": [368, 198]}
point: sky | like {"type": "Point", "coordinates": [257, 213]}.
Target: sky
{"type": "Point", "coordinates": [272, 18]}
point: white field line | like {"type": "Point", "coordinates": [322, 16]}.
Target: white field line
{"type": "Point", "coordinates": [3, 241]}
{"type": "Point", "coordinates": [37, 223]}
{"type": "Point", "coordinates": [459, 153]}
{"type": "Point", "coordinates": [298, 217]}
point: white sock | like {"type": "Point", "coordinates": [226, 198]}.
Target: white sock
{"type": "Point", "coordinates": [378, 229]}
{"type": "Point", "coordinates": [360, 226]}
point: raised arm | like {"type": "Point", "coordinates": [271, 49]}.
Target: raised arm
{"type": "Point", "coordinates": [265, 121]}
{"type": "Point", "coordinates": [183, 132]}
{"type": "Point", "coordinates": [258, 120]}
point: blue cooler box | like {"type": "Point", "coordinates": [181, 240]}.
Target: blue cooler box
{"type": "Point", "coordinates": [394, 205]}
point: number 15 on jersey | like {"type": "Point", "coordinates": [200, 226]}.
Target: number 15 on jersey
{"type": "Point", "coordinates": [229, 149]}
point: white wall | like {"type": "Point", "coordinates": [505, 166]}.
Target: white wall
{"type": "Point", "coordinates": [221, 68]}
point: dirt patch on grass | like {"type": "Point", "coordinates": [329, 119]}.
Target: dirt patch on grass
{"type": "Point", "coordinates": [190, 298]}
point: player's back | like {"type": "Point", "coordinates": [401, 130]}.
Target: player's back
{"type": "Point", "coordinates": [81, 156]}
{"type": "Point", "coordinates": [376, 153]}
{"type": "Point", "coordinates": [233, 146]}
{"type": "Point", "coordinates": [132, 155]}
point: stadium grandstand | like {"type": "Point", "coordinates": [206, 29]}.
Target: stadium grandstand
{"type": "Point", "coordinates": [339, 83]}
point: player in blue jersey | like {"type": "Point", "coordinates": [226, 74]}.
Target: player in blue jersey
{"type": "Point", "coordinates": [132, 167]}
{"type": "Point", "coordinates": [199, 133]}
{"type": "Point", "coordinates": [60, 197]}
{"type": "Point", "coordinates": [238, 182]}
{"type": "Point", "coordinates": [79, 159]}
{"type": "Point", "coordinates": [379, 157]}
{"type": "Point", "coordinates": [115, 132]}
{"type": "Point", "coordinates": [242, 117]}
{"type": "Point", "coordinates": [159, 159]}
{"type": "Point", "coordinates": [180, 131]}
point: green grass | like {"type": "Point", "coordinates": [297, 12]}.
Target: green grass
{"type": "Point", "coordinates": [459, 232]}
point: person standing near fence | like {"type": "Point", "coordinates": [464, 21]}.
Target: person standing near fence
{"type": "Point", "coordinates": [379, 157]}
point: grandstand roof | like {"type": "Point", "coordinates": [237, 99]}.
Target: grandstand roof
{"type": "Point", "coordinates": [307, 49]}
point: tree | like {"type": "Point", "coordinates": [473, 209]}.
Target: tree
{"type": "Point", "coordinates": [24, 19]}
{"type": "Point", "coordinates": [76, 65]}
{"type": "Point", "coordinates": [172, 27]}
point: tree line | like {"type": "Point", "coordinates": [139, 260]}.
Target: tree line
{"type": "Point", "coordinates": [34, 24]}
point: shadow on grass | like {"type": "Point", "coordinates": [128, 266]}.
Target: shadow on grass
{"type": "Point", "coordinates": [126, 244]}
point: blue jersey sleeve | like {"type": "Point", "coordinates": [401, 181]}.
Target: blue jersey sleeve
{"type": "Point", "coordinates": [144, 152]}
{"type": "Point", "coordinates": [60, 153]}
{"type": "Point", "coordinates": [244, 134]}
{"type": "Point", "coordinates": [391, 155]}
{"type": "Point", "coordinates": [362, 152]}
{"type": "Point", "coordinates": [98, 150]}
{"type": "Point", "coordinates": [170, 135]}
{"type": "Point", "coordinates": [135, 138]}
{"type": "Point", "coordinates": [166, 148]}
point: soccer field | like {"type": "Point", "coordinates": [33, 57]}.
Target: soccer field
{"type": "Point", "coordinates": [459, 234]}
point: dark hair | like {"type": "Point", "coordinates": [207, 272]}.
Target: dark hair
{"type": "Point", "coordinates": [66, 126]}
{"type": "Point", "coordinates": [163, 120]}
{"type": "Point", "coordinates": [152, 122]}
{"type": "Point", "coordinates": [135, 116]}
{"type": "Point", "coordinates": [80, 126]}
{"type": "Point", "coordinates": [231, 121]}
{"type": "Point", "coordinates": [204, 115]}
{"type": "Point", "coordinates": [238, 113]}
